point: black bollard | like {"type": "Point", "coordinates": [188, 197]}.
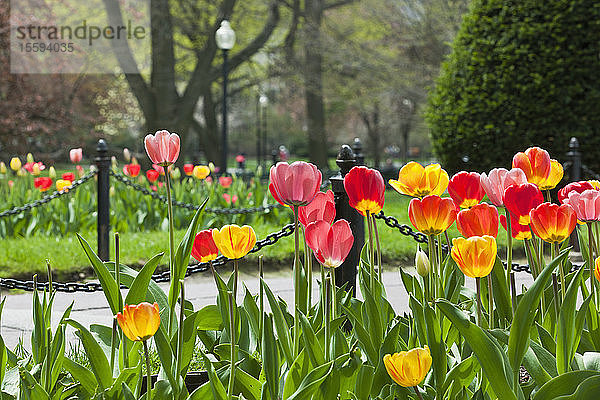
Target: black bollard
{"type": "Point", "coordinates": [346, 273]}
{"type": "Point", "coordinates": [103, 206]}
{"type": "Point", "coordinates": [358, 154]}
{"type": "Point", "coordinates": [574, 175]}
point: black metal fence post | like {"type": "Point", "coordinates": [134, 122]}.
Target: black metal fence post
{"type": "Point", "coordinates": [357, 147]}
{"type": "Point", "coordinates": [574, 175]}
{"type": "Point", "coordinates": [348, 270]}
{"type": "Point", "coordinates": [103, 164]}
{"type": "Point", "coordinates": [575, 156]}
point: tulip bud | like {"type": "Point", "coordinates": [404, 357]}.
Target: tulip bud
{"type": "Point", "coordinates": [30, 158]}
{"type": "Point", "coordinates": [2, 168]}
{"type": "Point", "coordinates": [35, 171]}
{"type": "Point", "coordinates": [134, 161]}
{"type": "Point", "coordinates": [22, 172]}
{"type": "Point", "coordinates": [11, 183]}
{"type": "Point", "coordinates": [175, 173]}
{"type": "Point", "coordinates": [126, 154]}
{"type": "Point", "coordinates": [52, 172]}
{"type": "Point", "coordinates": [422, 263]}
{"type": "Point", "coordinates": [15, 164]}
{"type": "Point", "coordinates": [111, 191]}
{"type": "Point", "coordinates": [211, 166]}
{"type": "Point", "coordinates": [113, 161]}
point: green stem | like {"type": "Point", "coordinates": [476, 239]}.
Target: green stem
{"type": "Point", "coordinates": [113, 342]}
{"type": "Point", "coordinates": [308, 267]}
{"type": "Point", "coordinates": [148, 372]}
{"type": "Point", "coordinates": [371, 251]}
{"type": "Point", "coordinates": [262, 300]}
{"type": "Point", "coordinates": [327, 316]}
{"type": "Point", "coordinates": [556, 296]}
{"type": "Point", "coordinates": [591, 254]}
{"type": "Point", "coordinates": [334, 293]}
{"type": "Point", "coordinates": [180, 329]}
{"type": "Point", "coordinates": [232, 355]}
{"type": "Point", "coordinates": [296, 284]}
{"type": "Point", "coordinates": [509, 247]}
{"type": "Point", "coordinates": [417, 392]}
{"type": "Point", "coordinates": [439, 265]}
{"type": "Point", "coordinates": [490, 301]}
{"type": "Point", "coordinates": [235, 279]}
{"type": "Point", "coordinates": [513, 293]}
{"type": "Point", "coordinates": [479, 314]}
{"type": "Point", "coordinates": [323, 299]}
{"type": "Point", "coordinates": [378, 246]}
{"type": "Point", "coordinates": [171, 244]}
{"type": "Point", "coordinates": [561, 270]}
{"type": "Point", "coordinates": [432, 261]}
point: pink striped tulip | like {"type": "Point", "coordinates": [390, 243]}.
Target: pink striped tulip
{"type": "Point", "coordinates": [498, 180]}
{"type": "Point", "coordinates": [296, 184]}
{"type": "Point", "coordinates": [162, 147]}
{"type": "Point", "coordinates": [330, 243]}
{"type": "Point", "coordinates": [321, 208]}
{"type": "Point", "coordinates": [586, 204]}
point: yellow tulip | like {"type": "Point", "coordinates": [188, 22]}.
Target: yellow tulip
{"type": "Point", "coordinates": [554, 178]}
{"type": "Point", "coordinates": [418, 181]}
{"type": "Point", "coordinates": [2, 167]}
{"type": "Point", "coordinates": [35, 171]}
{"type": "Point", "coordinates": [408, 368]}
{"type": "Point", "coordinates": [15, 163]}
{"type": "Point", "coordinates": [63, 184]}
{"type": "Point", "coordinates": [234, 242]}
{"type": "Point", "coordinates": [595, 184]}
{"type": "Point", "coordinates": [201, 171]}
{"type": "Point", "coordinates": [475, 256]}
{"type": "Point", "coordinates": [30, 158]}
{"type": "Point", "coordinates": [139, 322]}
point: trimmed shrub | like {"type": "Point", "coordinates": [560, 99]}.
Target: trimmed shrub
{"type": "Point", "coordinates": [520, 73]}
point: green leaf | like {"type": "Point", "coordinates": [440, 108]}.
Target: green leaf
{"type": "Point", "coordinates": [139, 287]}
{"type": "Point", "coordinates": [436, 346]}
{"type": "Point", "coordinates": [270, 357]}
{"type": "Point", "coordinates": [501, 294]}
{"type": "Point", "coordinates": [518, 341]}
{"type": "Point", "coordinates": [490, 355]}
{"type": "Point", "coordinates": [364, 379]}
{"type": "Point", "coordinates": [281, 326]}
{"type": "Point", "coordinates": [564, 385]}
{"type": "Point", "coordinates": [98, 362]}
{"type": "Point", "coordinates": [311, 343]}
{"type": "Point", "coordinates": [566, 334]}
{"type": "Point", "coordinates": [311, 382]}
{"type": "Point", "coordinates": [218, 390]}
{"type": "Point", "coordinates": [209, 319]}
{"type": "Point", "coordinates": [81, 375]}
{"type": "Point", "coordinates": [109, 285]}
{"type": "Point", "coordinates": [461, 374]}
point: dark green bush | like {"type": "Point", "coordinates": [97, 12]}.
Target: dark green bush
{"type": "Point", "coordinates": [520, 73]}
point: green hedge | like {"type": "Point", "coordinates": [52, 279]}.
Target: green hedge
{"type": "Point", "coordinates": [520, 73]}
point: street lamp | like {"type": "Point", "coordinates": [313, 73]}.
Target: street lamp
{"type": "Point", "coordinates": [264, 101]}
{"type": "Point", "coordinates": [225, 38]}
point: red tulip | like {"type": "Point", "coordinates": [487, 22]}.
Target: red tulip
{"type": "Point", "coordinates": [432, 215]}
{"type": "Point", "coordinates": [76, 155]}
{"type": "Point", "coordinates": [330, 243]}
{"type": "Point", "coordinates": [498, 180]}
{"type": "Point", "coordinates": [240, 158]}
{"type": "Point", "coordinates": [321, 208]}
{"type": "Point", "coordinates": [553, 223]}
{"type": "Point", "coordinates": [225, 181]}
{"type": "Point", "coordinates": [535, 162]}
{"type": "Point", "coordinates": [479, 220]}
{"type": "Point", "coordinates": [43, 183]}
{"type": "Point", "coordinates": [520, 199]}
{"type": "Point", "coordinates": [229, 199]}
{"type": "Point", "coordinates": [585, 204]}
{"type": "Point", "coordinates": [152, 175]}
{"type": "Point", "coordinates": [80, 170]}
{"type": "Point", "coordinates": [518, 231]}
{"type": "Point", "coordinates": [162, 147]}
{"type": "Point", "coordinates": [465, 189]}
{"type": "Point", "coordinates": [578, 187]}
{"type": "Point", "coordinates": [132, 170]}
{"type": "Point", "coordinates": [294, 184]}
{"type": "Point", "coordinates": [68, 176]}
{"type": "Point", "coordinates": [188, 169]}
{"type": "Point", "coordinates": [204, 248]}
{"type": "Point", "coordinates": [366, 190]}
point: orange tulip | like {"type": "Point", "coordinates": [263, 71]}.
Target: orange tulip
{"type": "Point", "coordinates": [475, 256]}
{"type": "Point", "coordinates": [233, 241]}
{"type": "Point", "coordinates": [432, 215]}
{"type": "Point", "coordinates": [536, 164]}
{"type": "Point", "coordinates": [139, 322]}
{"type": "Point", "coordinates": [554, 178]}
{"type": "Point", "coordinates": [597, 269]}
{"type": "Point", "coordinates": [418, 181]}
{"type": "Point", "coordinates": [553, 223]}
{"type": "Point", "coordinates": [479, 220]}
{"type": "Point", "coordinates": [408, 368]}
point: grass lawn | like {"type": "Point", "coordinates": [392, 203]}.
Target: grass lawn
{"type": "Point", "coordinates": [23, 257]}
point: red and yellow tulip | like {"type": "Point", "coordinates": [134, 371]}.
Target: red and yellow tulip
{"type": "Point", "coordinates": [465, 189]}
{"type": "Point", "coordinates": [408, 368]}
{"type": "Point", "coordinates": [553, 223]}
{"type": "Point", "coordinates": [233, 241]}
{"type": "Point", "coordinates": [536, 164]}
{"type": "Point", "coordinates": [366, 190]}
{"type": "Point", "coordinates": [479, 220]}
{"type": "Point", "coordinates": [139, 322]}
{"type": "Point", "coordinates": [475, 256]}
{"type": "Point", "coordinates": [432, 215]}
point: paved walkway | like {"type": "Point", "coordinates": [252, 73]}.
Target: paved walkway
{"type": "Point", "coordinates": [92, 308]}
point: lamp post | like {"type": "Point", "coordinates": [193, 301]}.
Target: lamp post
{"type": "Point", "coordinates": [225, 38]}
{"type": "Point", "coordinates": [264, 101]}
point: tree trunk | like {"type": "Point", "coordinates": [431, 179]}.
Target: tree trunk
{"type": "Point", "coordinates": [313, 81]}
{"type": "Point", "coordinates": [210, 141]}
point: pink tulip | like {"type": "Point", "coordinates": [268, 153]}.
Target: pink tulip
{"type": "Point", "coordinates": [586, 204]}
{"type": "Point", "coordinates": [330, 243]}
{"type": "Point", "coordinates": [76, 155]}
{"type": "Point", "coordinates": [321, 208]}
{"type": "Point", "coordinates": [162, 147]}
{"type": "Point", "coordinates": [296, 184]}
{"type": "Point", "coordinates": [498, 180]}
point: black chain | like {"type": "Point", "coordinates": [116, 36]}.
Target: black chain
{"type": "Point", "coordinates": [50, 197]}
{"type": "Point", "coordinates": [420, 237]}
{"type": "Point", "coordinates": [588, 171]}
{"type": "Point", "coordinates": [223, 211]}
{"type": "Point", "coordinates": [71, 287]}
